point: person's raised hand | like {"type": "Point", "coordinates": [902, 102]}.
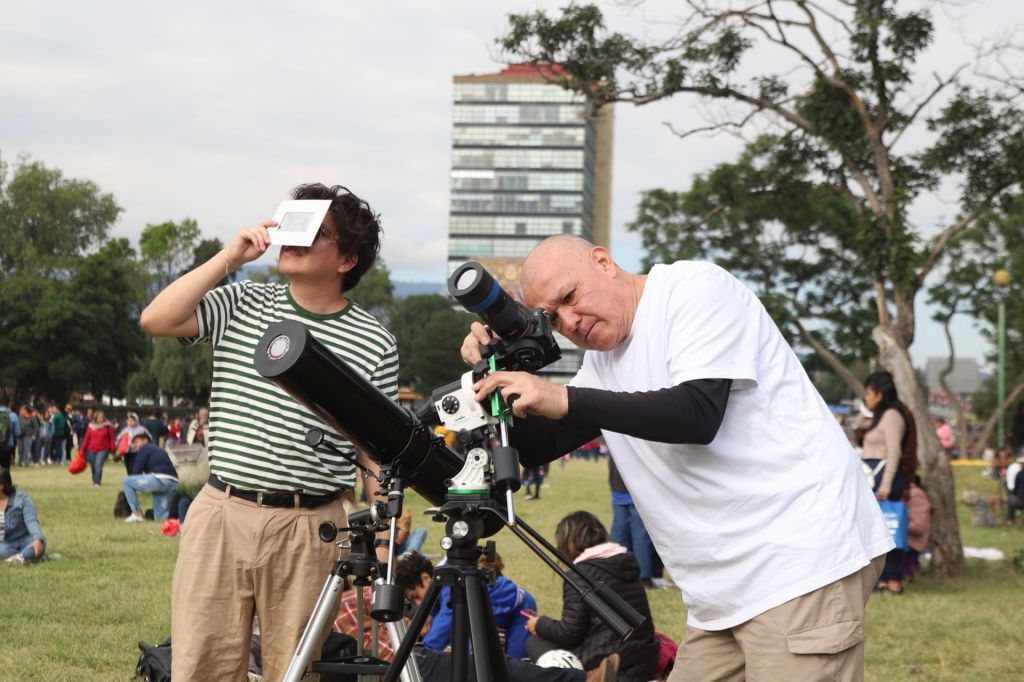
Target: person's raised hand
{"type": "Point", "coordinates": [478, 334]}
{"type": "Point", "coordinates": [532, 395]}
{"type": "Point", "coordinates": [248, 244]}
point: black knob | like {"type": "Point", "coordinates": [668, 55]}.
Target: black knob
{"type": "Point", "coordinates": [450, 404]}
{"type": "Point", "coordinates": [328, 531]}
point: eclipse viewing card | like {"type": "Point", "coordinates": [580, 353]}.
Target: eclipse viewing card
{"type": "Point", "coordinates": [298, 221]}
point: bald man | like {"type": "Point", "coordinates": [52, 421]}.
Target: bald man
{"type": "Point", "coordinates": [751, 493]}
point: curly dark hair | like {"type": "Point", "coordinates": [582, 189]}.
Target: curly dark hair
{"type": "Point", "coordinates": [408, 569]}
{"type": "Point", "coordinates": [358, 227]}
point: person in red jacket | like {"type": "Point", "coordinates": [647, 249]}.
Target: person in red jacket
{"type": "Point", "coordinates": [98, 444]}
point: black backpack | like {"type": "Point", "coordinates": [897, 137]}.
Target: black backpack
{"type": "Point", "coordinates": [155, 662]}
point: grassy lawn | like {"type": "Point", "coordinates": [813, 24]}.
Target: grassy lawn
{"type": "Point", "coordinates": [79, 618]}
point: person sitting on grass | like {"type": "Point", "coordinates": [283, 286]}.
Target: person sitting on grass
{"type": "Point", "coordinates": [152, 472]}
{"type": "Point", "coordinates": [414, 573]}
{"type": "Point", "coordinates": [21, 540]}
{"type": "Point", "coordinates": [583, 540]}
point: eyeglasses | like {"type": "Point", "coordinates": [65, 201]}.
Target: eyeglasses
{"type": "Point", "coordinates": [326, 235]}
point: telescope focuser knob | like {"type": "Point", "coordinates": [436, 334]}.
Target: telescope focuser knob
{"type": "Point", "coordinates": [328, 531]}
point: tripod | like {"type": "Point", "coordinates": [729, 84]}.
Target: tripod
{"type": "Point", "coordinates": [472, 618]}
{"type": "Point", "coordinates": [362, 564]}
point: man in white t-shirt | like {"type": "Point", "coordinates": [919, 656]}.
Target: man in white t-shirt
{"type": "Point", "coordinates": [748, 487]}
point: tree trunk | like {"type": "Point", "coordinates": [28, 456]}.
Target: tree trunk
{"type": "Point", "coordinates": [947, 549]}
{"type": "Point", "coordinates": [991, 422]}
{"type": "Point", "coordinates": [961, 423]}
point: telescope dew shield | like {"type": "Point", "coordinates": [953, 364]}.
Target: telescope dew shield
{"type": "Point", "coordinates": [479, 293]}
{"type": "Point", "coordinates": [292, 358]}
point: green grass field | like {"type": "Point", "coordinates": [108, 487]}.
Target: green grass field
{"type": "Point", "coordinates": [80, 617]}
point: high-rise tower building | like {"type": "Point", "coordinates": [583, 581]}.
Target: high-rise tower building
{"type": "Point", "coordinates": [527, 163]}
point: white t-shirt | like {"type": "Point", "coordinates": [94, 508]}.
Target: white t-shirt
{"type": "Point", "coordinates": [1011, 475]}
{"type": "Point", "coordinates": [777, 505]}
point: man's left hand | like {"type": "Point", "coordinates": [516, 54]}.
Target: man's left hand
{"type": "Point", "coordinates": [535, 396]}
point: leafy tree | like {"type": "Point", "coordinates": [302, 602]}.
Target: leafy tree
{"type": "Point", "coordinates": [375, 292]}
{"type": "Point", "coordinates": [966, 287]}
{"type": "Point", "coordinates": [168, 248]}
{"type": "Point", "coordinates": [185, 371]}
{"type": "Point", "coordinates": [836, 116]}
{"type": "Point", "coordinates": [207, 249]}
{"type": "Point", "coordinates": [103, 342]}
{"type": "Point", "coordinates": [141, 384]}
{"type": "Point", "coordinates": [429, 334]}
{"type": "Point", "coordinates": [46, 222]}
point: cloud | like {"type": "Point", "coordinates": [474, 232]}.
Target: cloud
{"type": "Point", "coordinates": [215, 110]}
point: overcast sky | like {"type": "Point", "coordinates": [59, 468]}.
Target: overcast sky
{"type": "Point", "coordinates": [214, 110]}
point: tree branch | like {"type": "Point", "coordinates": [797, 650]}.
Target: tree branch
{"type": "Point", "coordinates": [716, 127]}
{"type": "Point", "coordinates": [917, 110]}
{"type": "Point", "coordinates": [993, 420]}
{"type": "Point", "coordinates": [830, 358]}
{"type": "Point", "coordinates": [956, 228]}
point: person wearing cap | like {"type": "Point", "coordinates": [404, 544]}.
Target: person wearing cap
{"type": "Point", "coordinates": [152, 472]}
{"type": "Point", "coordinates": [251, 545]}
{"type": "Point", "coordinates": [748, 487]}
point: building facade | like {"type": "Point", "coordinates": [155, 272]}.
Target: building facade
{"type": "Point", "coordinates": [529, 160]}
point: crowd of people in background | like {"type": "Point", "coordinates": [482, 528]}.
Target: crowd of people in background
{"type": "Point", "coordinates": [38, 435]}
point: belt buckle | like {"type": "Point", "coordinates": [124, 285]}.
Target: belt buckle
{"type": "Point", "coordinates": [259, 499]}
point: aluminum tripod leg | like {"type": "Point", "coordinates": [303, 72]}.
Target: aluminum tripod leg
{"type": "Point", "coordinates": [326, 609]}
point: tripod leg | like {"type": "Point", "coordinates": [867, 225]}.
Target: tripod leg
{"type": "Point", "coordinates": [326, 608]}
{"type": "Point", "coordinates": [488, 656]}
{"type": "Point", "coordinates": [460, 634]}
{"type": "Point", "coordinates": [397, 634]}
{"type": "Point", "coordinates": [419, 619]}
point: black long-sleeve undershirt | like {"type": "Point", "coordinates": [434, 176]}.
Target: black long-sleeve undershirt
{"type": "Point", "coordinates": [690, 412]}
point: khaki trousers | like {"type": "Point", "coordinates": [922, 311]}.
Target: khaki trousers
{"type": "Point", "coordinates": [816, 637]}
{"type": "Point", "coordinates": [237, 560]}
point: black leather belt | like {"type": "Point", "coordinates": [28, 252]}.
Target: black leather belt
{"type": "Point", "coordinates": [274, 499]}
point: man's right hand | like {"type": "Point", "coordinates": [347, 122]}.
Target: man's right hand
{"type": "Point", "coordinates": [248, 244]}
{"type": "Point", "coordinates": [478, 335]}
{"type": "Point", "coordinates": [173, 311]}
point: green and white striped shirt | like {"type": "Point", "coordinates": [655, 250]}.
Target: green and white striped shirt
{"type": "Point", "coordinates": [256, 434]}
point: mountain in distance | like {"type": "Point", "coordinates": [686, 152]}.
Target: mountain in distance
{"type": "Point", "coordinates": [402, 289]}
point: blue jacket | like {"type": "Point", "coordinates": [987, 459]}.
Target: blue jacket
{"type": "Point", "coordinates": [507, 600]}
{"type": "Point", "coordinates": [20, 520]}
{"type": "Point", "coordinates": [15, 426]}
{"type": "Point", "coordinates": [152, 459]}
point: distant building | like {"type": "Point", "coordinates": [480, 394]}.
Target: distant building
{"type": "Point", "coordinates": [964, 380]}
{"type": "Point", "coordinates": [527, 163]}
